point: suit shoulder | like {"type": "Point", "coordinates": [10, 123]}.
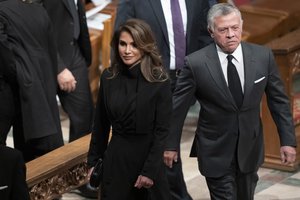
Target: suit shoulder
{"type": "Point", "coordinates": [256, 47]}
{"type": "Point", "coordinates": [200, 52]}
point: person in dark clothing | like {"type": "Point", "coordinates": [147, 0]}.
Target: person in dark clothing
{"type": "Point", "coordinates": [29, 66]}
{"type": "Point", "coordinates": [7, 107]}
{"type": "Point", "coordinates": [159, 15]}
{"type": "Point", "coordinates": [229, 78]}
{"type": "Point", "coordinates": [12, 175]}
{"type": "Point", "coordinates": [135, 100]}
{"type": "Point", "coordinates": [74, 57]}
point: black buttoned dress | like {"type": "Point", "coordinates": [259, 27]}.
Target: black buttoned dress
{"type": "Point", "coordinates": [138, 113]}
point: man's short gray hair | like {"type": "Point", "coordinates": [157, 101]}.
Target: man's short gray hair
{"type": "Point", "coordinates": [220, 9]}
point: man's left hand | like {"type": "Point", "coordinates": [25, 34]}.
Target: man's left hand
{"type": "Point", "coordinates": [288, 154]}
{"type": "Point", "coordinates": [170, 157]}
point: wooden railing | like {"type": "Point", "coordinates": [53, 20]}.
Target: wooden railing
{"type": "Point", "coordinates": [287, 54]}
{"type": "Point", "coordinates": [262, 24]}
{"type": "Point", "coordinates": [58, 171]}
{"type": "Point", "coordinates": [100, 42]}
{"type": "Point", "coordinates": [94, 69]}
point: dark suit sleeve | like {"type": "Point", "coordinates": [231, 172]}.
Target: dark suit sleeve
{"type": "Point", "coordinates": [7, 59]}
{"type": "Point", "coordinates": [204, 36]}
{"type": "Point", "coordinates": [48, 5]}
{"type": "Point", "coordinates": [182, 98]}
{"type": "Point", "coordinates": [125, 11]}
{"type": "Point", "coordinates": [279, 105]}
{"type": "Point", "coordinates": [63, 32]}
{"type": "Point", "coordinates": [101, 128]}
{"type": "Point", "coordinates": [53, 53]}
{"type": "Point", "coordinates": [84, 36]}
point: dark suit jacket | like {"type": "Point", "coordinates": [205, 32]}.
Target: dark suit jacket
{"type": "Point", "coordinates": [29, 57]}
{"type": "Point", "coordinates": [7, 109]}
{"type": "Point", "coordinates": [223, 129]}
{"type": "Point", "coordinates": [12, 175]}
{"type": "Point", "coordinates": [7, 101]}
{"type": "Point", "coordinates": [61, 17]}
{"type": "Point", "coordinates": [151, 11]}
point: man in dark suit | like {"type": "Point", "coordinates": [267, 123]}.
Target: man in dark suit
{"type": "Point", "coordinates": [74, 57]}
{"type": "Point", "coordinates": [158, 14]}
{"type": "Point", "coordinates": [28, 69]}
{"type": "Point", "coordinates": [12, 175]}
{"type": "Point", "coordinates": [229, 134]}
{"type": "Point", "coordinates": [7, 108]}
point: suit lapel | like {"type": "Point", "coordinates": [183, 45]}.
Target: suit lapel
{"type": "Point", "coordinates": [158, 11]}
{"type": "Point", "coordinates": [214, 66]}
{"type": "Point", "coordinates": [67, 5]}
{"type": "Point", "coordinates": [250, 71]}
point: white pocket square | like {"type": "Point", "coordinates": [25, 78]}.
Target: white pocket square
{"type": "Point", "coordinates": [3, 187]}
{"type": "Point", "coordinates": [259, 80]}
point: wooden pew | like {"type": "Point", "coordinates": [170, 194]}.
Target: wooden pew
{"type": "Point", "coordinates": [100, 42]}
{"type": "Point", "coordinates": [266, 20]}
{"type": "Point", "coordinates": [290, 6]}
{"type": "Point", "coordinates": [105, 45]}
{"type": "Point", "coordinates": [263, 24]}
{"type": "Point", "coordinates": [94, 69]}
{"type": "Point", "coordinates": [287, 54]}
{"type": "Point", "coordinates": [58, 171]}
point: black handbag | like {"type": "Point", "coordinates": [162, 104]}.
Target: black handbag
{"type": "Point", "coordinates": [97, 174]}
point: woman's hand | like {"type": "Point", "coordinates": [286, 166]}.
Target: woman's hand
{"type": "Point", "coordinates": [143, 181]}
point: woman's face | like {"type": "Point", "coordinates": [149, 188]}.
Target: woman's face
{"type": "Point", "coordinates": [128, 51]}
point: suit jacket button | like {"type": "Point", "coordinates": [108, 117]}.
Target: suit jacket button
{"type": "Point", "coordinates": [72, 43]}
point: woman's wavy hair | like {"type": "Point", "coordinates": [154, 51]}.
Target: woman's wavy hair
{"type": "Point", "coordinates": [151, 62]}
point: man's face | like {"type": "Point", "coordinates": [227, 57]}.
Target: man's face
{"type": "Point", "coordinates": [227, 32]}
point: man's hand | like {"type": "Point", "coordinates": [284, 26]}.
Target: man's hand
{"type": "Point", "coordinates": [170, 157]}
{"type": "Point", "coordinates": [89, 174]}
{"type": "Point", "coordinates": [143, 181]}
{"type": "Point", "coordinates": [287, 154]}
{"type": "Point", "coordinates": [66, 80]}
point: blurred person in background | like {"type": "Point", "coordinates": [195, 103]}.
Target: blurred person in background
{"type": "Point", "coordinates": [28, 78]}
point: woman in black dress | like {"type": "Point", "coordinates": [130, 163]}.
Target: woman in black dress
{"type": "Point", "coordinates": [135, 101]}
